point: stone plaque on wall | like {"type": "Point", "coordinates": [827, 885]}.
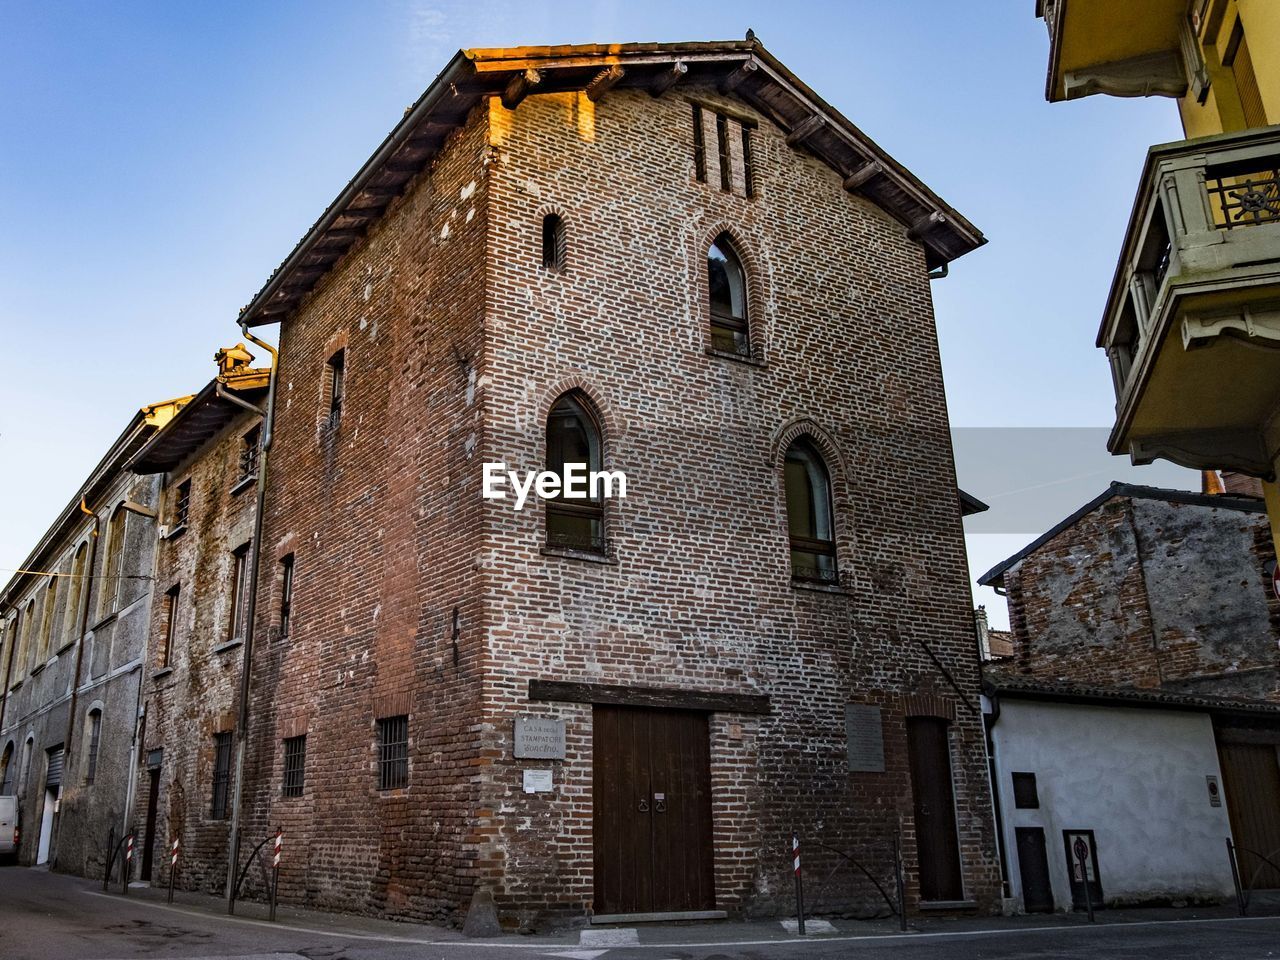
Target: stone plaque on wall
{"type": "Point", "coordinates": [865, 738]}
{"type": "Point", "coordinates": [539, 738]}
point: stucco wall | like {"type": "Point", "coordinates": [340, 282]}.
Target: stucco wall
{"type": "Point", "coordinates": [1134, 776]}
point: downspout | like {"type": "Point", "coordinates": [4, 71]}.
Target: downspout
{"type": "Point", "coordinates": [993, 777]}
{"type": "Point", "coordinates": [251, 605]}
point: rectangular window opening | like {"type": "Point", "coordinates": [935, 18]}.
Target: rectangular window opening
{"type": "Point", "coordinates": [722, 140]}
{"type": "Point", "coordinates": [221, 775]}
{"type": "Point", "coordinates": [1025, 794]}
{"type": "Point", "coordinates": [295, 761]}
{"type": "Point", "coordinates": [393, 752]}
{"type": "Point", "coordinates": [748, 170]}
{"type": "Point", "coordinates": [337, 375]}
{"type": "Point", "coordinates": [182, 504]}
{"type": "Point", "coordinates": [170, 623]}
{"type": "Point", "coordinates": [239, 592]}
{"type": "Point", "coordinates": [249, 448]}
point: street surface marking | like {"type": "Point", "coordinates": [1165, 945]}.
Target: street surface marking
{"type": "Point", "coordinates": [579, 954]}
{"type": "Point", "coordinates": [810, 926]}
{"type": "Point", "coordinates": [626, 937]}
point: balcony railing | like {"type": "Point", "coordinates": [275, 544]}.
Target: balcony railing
{"type": "Point", "coordinates": [1206, 219]}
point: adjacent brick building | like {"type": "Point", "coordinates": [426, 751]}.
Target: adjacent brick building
{"type": "Point", "coordinates": [1143, 587]}
{"type": "Point", "coordinates": [74, 622]}
{"type": "Point", "coordinates": [674, 261]}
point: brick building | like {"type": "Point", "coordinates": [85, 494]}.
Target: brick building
{"type": "Point", "coordinates": [1144, 587]}
{"type": "Point", "coordinates": [1160, 602]}
{"type": "Point", "coordinates": [74, 622]}
{"type": "Point", "coordinates": [207, 458]}
{"type": "Point", "coordinates": [671, 260]}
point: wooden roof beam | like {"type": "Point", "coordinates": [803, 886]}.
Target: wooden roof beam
{"type": "Point", "coordinates": [925, 224]}
{"type": "Point", "coordinates": [806, 129]}
{"type": "Point", "coordinates": [860, 177]}
{"type": "Point", "coordinates": [734, 80]}
{"type": "Point", "coordinates": [519, 87]}
{"type": "Point", "coordinates": [604, 81]}
{"type": "Point", "coordinates": [666, 79]}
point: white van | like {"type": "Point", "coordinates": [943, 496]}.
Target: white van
{"type": "Point", "coordinates": [8, 829]}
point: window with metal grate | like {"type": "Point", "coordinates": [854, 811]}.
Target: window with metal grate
{"type": "Point", "coordinates": [393, 752]}
{"type": "Point", "coordinates": [221, 775]}
{"type": "Point", "coordinates": [295, 762]}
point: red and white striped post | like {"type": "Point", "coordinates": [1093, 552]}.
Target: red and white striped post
{"type": "Point", "coordinates": [128, 864]}
{"type": "Point", "coordinates": [173, 866]}
{"type": "Point", "coordinates": [795, 857]}
{"type": "Point", "coordinates": [275, 871]}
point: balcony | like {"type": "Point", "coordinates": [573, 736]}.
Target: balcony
{"type": "Point", "coordinates": [1192, 325]}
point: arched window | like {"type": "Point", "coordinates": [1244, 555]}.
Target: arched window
{"type": "Point", "coordinates": [25, 772]}
{"type": "Point", "coordinates": [93, 736]}
{"type": "Point", "coordinates": [573, 437]}
{"type": "Point", "coordinates": [46, 620]}
{"type": "Point", "coordinates": [7, 771]}
{"type": "Point", "coordinates": [110, 592]}
{"type": "Point", "coordinates": [727, 283]}
{"type": "Point", "coordinates": [30, 637]}
{"type": "Point", "coordinates": [75, 595]}
{"type": "Point", "coordinates": [809, 514]}
{"type": "Point", "coordinates": [553, 242]}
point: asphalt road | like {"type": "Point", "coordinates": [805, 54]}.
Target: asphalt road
{"type": "Point", "coordinates": [51, 917]}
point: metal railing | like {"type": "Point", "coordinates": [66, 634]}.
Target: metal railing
{"type": "Point", "coordinates": [896, 903]}
{"type": "Point", "coordinates": [1243, 891]}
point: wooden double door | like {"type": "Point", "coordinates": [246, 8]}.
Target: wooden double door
{"type": "Point", "coordinates": [1251, 776]}
{"type": "Point", "coordinates": [651, 811]}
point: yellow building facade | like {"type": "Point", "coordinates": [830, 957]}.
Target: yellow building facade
{"type": "Point", "coordinates": [1192, 323]}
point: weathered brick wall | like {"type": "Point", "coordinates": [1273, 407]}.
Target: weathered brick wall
{"type": "Point", "coordinates": [193, 697]}
{"type": "Point", "coordinates": [382, 517]}
{"type": "Point", "coordinates": [700, 593]}
{"type": "Point", "coordinates": [1151, 593]}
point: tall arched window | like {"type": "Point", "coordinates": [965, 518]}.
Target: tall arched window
{"type": "Point", "coordinates": [30, 637]}
{"type": "Point", "coordinates": [93, 738]}
{"type": "Point", "coordinates": [809, 513]}
{"type": "Point", "coordinates": [110, 591]}
{"type": "Point", "coordinates": [75, 595]}
{"type": "Point", "coordinates": [727, 283]}
{"type": "Point", "coordinates": [7, 770]}
{"type": "Point", "coordinates": [50, 602]}
{"type": "Point", "coordinates": [573, 437]}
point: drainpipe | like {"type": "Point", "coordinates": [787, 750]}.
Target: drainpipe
{"type": "Point", "coordinates": [251, 605]}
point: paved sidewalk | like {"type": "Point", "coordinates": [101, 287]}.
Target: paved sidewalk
{"type": "Point", "coordinates": [702, 933]}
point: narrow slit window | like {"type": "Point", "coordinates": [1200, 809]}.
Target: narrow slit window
{"type": "Point", "coordinates": [337, 377]}
{"type": "Point", "coordinates": [286, 595]}
{"type": "Point", "coordinates": [95, 738]}
{"type": "Point", "coordinates": [699, 146]}
{"type": "Point", "coordinates": [249, 447]}
{"type": "Point", "coordinates": [170, 623]}
{"type": "Point", "coordinates": [239, 592]}
{"type": "Point", "coordinates": [722, 139]}
{"type": "Point", "coordinates": [554, 243]}
{"type": "Point", "coordinates": [748, 164]}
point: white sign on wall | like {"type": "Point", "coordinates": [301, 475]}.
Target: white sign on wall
{"type": "Point", "coordinates": [537, 781]}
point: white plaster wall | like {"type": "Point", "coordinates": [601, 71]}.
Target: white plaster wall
{"type": "Point", "coordinates": [1136, 777]}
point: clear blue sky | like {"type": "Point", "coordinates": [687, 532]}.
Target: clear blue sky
{"type": "Point", "coordinates": [158, 160]}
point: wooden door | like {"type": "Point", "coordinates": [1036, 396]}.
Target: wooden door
{"type": "Point", "coordinates": [1251, 778]}
{"type": "Point", "coordinates": [937, 847]}
{"type": "Point", "coordinates": [652, 811]}
{"type": "Point", "coordinates": [149, 844]}
{"type": "Point", "coordinates": [1033, 868]}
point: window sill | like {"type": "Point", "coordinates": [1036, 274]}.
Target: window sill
{"type": "Point", "coordinates": [228, 646]}
{"type": "Point", "coordinates": [64, 648]}
{"type": "Point", "coordinates": [162, 673]}
{"type": "Point", "coordinates": [817, 586]}
{"type": "Point", "coordinates": [244, 483]}
{"type": "Point", "coordinates": [38, 669]}
{"type": "Point", "coordinates": [585, 555]}
{"type": "Point", "coordinates": [175, 532]}
{"type": "Point", "coordinates": [739, 357]}
{"type": "Point", "coordinates": [14, 686]}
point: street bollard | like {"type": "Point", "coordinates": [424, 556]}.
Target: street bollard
{"type": "Point", "coordinates": [275, 872]}
{"type": "Point", "coordinates": [1242, 903]}
{"type": "Point", "coordinates": [795, 853]}
{"type": "Point", "coordinates": [173, 867]}
{"type": "Point", "coordinates": [127, 866]}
